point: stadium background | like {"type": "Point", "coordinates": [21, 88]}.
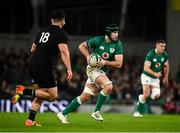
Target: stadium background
{"type": "Point", "coordinates": [141, 23]}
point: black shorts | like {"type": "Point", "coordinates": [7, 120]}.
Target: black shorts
{"type": "Point", "coordinates": [42, 75]}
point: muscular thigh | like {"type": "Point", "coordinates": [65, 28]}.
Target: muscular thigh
{"type": "Point", "coordinates": [97, 79]}
{"type": "Point", "coordinates": [51, 91]}
{"type": "Point", "coordinates": [146, 90]}
{"type": "Point", "coordinates": [147, 80]}
{"type": "Point", "coordinates": [102, 80]}
{"type": "Point", "coordinates": [92, 87]}
{"type": "Point", "coordinates": [42, 75]}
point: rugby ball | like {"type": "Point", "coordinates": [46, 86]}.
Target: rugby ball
{"type": "Point", "coordinates": [94, 58]}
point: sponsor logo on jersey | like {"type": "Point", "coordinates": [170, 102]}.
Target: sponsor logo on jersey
{"type": "Point", "coordinates": [102, 47]}
{"type": "Point", "coordinates": [105, 55]}
{"type": "Point", "coordinates": [158, 65]}
{"type": "Point", "coordinates": [162, 59]}
{"type": "Point", "coordinates": [154, 60]}
{"type": "Point", "coordinates": [112, 50]}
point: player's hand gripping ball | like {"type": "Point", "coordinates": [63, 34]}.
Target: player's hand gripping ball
{"type": "Point", "coordinates": [94, 58]}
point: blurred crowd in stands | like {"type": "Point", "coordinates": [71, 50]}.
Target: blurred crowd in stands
{"type": "Point", "coordinates": [126, 81]}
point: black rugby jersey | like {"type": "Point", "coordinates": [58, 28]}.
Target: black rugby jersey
{"type": "Point", "coordinates": [47, 41]}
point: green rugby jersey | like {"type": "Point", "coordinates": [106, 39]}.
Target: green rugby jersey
{"type": "Point", "coordinates": [106, 50]}
{"type": "Point", "coordinates": [157, 61]}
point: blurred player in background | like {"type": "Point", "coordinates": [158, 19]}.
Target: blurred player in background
{"type": "Point", "coordinates": [156, 66]}
{"type": "Point", "coordinates": [47, 45]}
{"type": "Point", "coordinates": [109, 47]}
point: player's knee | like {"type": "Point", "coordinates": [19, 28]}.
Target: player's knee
{"type": "Point", "coordinates": [141, 99]}
{"type": "Point", "coordinates": [108, 88]}
{"type": "Point", "coordinates": [146, 95]}
{"type": "Point", "coordinates": [85, 97]}
{"type": "Point", "coordinates": [53, 97]}
{"type": "Point", "coordinates": [155, 93]}
{"type": "Point", "coordinates": [157, 96]}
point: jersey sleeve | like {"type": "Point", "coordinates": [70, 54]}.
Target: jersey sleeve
{"type": "Point", "coordinates": [166, 57]}
{"type": "Point", "coordinates": [92, 42]}
{"type": "Point", "coordinates": [119, 48]}
{"type": "Point", "coordinates": [37, 38]}
{"type": "Point", "coordinates": [149, 56]}
{"type": "Point", "coordinates": [62, 37]}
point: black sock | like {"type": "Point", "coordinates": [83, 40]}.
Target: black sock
{"type": "Point", "coordinates": [29, 92]}
{"type": "Point", "coordinates": [32, 115]}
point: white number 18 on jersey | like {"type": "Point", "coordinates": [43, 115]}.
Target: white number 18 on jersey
{"type": "Point", "coordinates": [44, 37]}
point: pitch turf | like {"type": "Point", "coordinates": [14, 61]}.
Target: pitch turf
{"type": "Point", "coordinates": [84, 123]}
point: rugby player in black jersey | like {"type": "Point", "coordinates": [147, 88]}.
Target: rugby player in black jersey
{"type": "Point", "coordinates": [49, 42]}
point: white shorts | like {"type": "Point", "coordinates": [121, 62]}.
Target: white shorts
{"type": "Point", "coordinates": [93, 73]}
{"type": "Point", "coordinates": [147, 80]}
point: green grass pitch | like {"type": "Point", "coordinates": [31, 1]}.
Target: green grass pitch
{"type": "Point", "coordinates": [82, 122]}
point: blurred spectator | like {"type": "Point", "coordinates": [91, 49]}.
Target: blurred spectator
{"type": "Point", "coordinates": [172, 98]}
{"type": "Point", "coordinates": [3, 66]}
{"type": "Point", "coordinates": [178, 74]}
{"type": "Point", "coordinates": [5, 92]}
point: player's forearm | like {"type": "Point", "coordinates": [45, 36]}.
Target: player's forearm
{"type": "Point", "coordinates": [149, 71]}
{"type": "Point", "coordinates": [66, 59]}
{"type": "Point", "coordinates": [33, 48]}
{"type": "Point", "coordinates": [115, 64]}
{"type": "Point", "coordinates": [84, 50]}
{"type": "Point", "coordinates": [166, 71]}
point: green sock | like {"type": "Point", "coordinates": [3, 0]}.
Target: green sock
{"type": "Point", "coordinates": [100, 101]}
{"type": "Point", "coordinates": [147, 105]}
{"type": "Point", "coordinates": [149, 100]}
{"type": "Point", "coordinates": [139, 107]}
{"type": "Point", "coordinates": [72, 106]}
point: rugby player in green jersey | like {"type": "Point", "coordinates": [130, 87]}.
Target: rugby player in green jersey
{"type": "Point", "coordinates": [109, 47]}
{"type": "Point", "coordinates": [156, 65]}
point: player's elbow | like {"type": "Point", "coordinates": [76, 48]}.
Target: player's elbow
{"type": "Point", "coordinates": [53, 97]}
{"type": "Point", "coordinates": [119, 65]}
{"type": "Point", "coordinates": [146, 69]}
{"type": "Point", "coordinates": [82, 46]}
{"type": "Point", "coordinates": [63, 52]}
{"type": "Point", "coordinates": [63, 48]}
{"type": "Point", "coordinates": [33, 48]}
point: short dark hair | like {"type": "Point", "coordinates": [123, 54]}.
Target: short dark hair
{"type": "Point", "coordinates": [57, 14]}
{"type": "Point", "coordinates": [160, 41]}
